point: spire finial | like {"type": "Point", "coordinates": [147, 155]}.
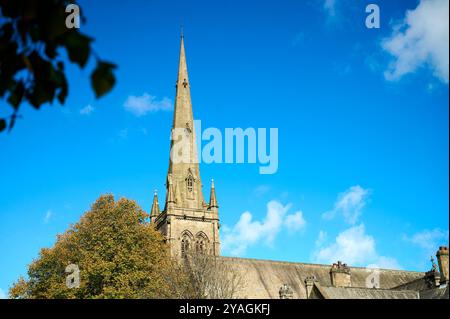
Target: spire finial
{"type": "Point", "coordinates": [433, 264]}
{"type": "Point", "coordinates": [155, 192]}
{"type": "Point", "coordinates": [182, 31]}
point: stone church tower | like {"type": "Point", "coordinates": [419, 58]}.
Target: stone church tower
{"type": "Point", "coordinates": [187, 221]}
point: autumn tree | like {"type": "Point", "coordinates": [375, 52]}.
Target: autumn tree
{"type": "Point", "coordinates": [118, 252]}
{"type": "Point", "coordinates": [209, 277]}
{"type": "Point", "coordinates": [35, 40]}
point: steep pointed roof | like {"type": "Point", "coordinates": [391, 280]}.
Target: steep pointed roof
{"type": "Point", "coordinates": [212, 198]}
{"type": "Point", "coordinates": [155, 206]}
{"type": "Point", "coordinates": [170, 198]}
{"type": "Point", "coordinates": [183, 117]}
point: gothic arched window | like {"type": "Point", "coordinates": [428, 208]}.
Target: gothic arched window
{"type": "Point", "coordinates": [201, 243]}
{"type": "Point", "coordinates": [186, 241]}
{"type": "Point", "coordinates": [184, 246]}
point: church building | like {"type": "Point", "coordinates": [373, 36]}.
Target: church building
{"type": "Point", "coordinates": [188, 223]}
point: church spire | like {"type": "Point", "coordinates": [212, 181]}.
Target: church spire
{"type": "Point", "coordinates": [212, 198]}
{"type": "Point", "coordinates": [187, 221]}
{"type": "Point", "coordinates": [155, 207]}
{"type": "Point", "coordinates": [183, 164]}
{"type": "Point", "coordinates": [170, 198]}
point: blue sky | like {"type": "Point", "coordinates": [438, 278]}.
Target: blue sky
{"type": "Point", "coordinates": [362, 118]}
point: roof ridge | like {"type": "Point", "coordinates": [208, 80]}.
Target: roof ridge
{"type": "Point", "coordinates": [374, 289]}
{"type": "Point", "coordinates": [320, 265]}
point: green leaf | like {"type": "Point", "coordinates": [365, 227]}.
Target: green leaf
{"type": "Point", "coordinates": [12, 121]}
{"type": "Point", "coordinates": [50, 50]}
{"type": "Point", "coordinates": [102, 79]}
{"type": "Point", "coordinates": [2, 124]}
{"type": "Point", "coordinates": [78, 47]}
{"type": "Point", "coordinates": [6, 32]}
{"type": "Point", "coordinates": [41, 93]}
{"type": "Point", "coordinates": [63, 91]}
{"type": "Point", "coordinates": [16, 95]}
{"type": "Point", "coordinates": [52, 22]}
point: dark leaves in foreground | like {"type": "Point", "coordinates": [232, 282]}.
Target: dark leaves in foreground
{"type": "Point", "coordinates": [102, 79]}
{"type": "Point", "coordinates": [33, 38]}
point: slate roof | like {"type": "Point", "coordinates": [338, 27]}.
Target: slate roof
{"type": "Point", "coordinates": [366, 293]}
{"type": "Point", "coordinates": [437, 293]}
{"type": "Point", "coordinates": [263, 278]}
{"type": "Point", "coordinates": [417, 284]}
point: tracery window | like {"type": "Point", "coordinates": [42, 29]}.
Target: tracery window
{"type": "Point", "coordinates": [200, 246]}
{"type": "Point", "coordinates": [201, 243]}
{"type": "Point", "coordinates": [184, 246]}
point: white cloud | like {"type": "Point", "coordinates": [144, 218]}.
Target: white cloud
{"type": "Point", "coordinates": [3, 294]}
{"type": "Point", "coordinates": [47, 216]}
{"type": "Point", "coordinates": [88, 109]}
{"type": "Point", "coordinates": [321, 239]}
{"type": "Point", "coordinates": [356, 248]}
{"type": "Point", "coordinates": [422, 39]}
{"type": "Point", "coordinates": [141, 105]}
{"type": "Point", "coordinates": [261, 190]}
{"type": "Point", "coordinates": [123, 134]}
{"type": "Point", "coordinates": [429, 240]}
{"type": "Point", "coordinates": [385, 263]}
{"type": "Point", "coordinates": [295, 221]}
{"type": "Point", "coordinates": [247, 232]}
{"type": "Point", "coordinates": [349, 204]}
{"type": "Point", "coordinates": [352, 246]}
{"type": "Point", "coordinates": [330, 7]}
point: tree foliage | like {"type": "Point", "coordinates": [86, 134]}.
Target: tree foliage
{"type": "Point", "coordinates": [209, 277]}
{"type": "Point", "coordinates": [33, 36]}
{"type": "Point", "coordinates": [119, 255]}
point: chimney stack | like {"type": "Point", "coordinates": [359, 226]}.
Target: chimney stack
{"type": "Point", "coordinates": [442, 257]}
{"type": "Point", "coordinates": [341, 275]}
{"type": "Point", "coordinates": [286, 292]}
{"type": "Point", "coordinates": [309, 285]}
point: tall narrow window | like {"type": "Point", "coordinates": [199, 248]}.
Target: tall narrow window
{"type": "Point", "coordinates": [190, 183]}
{"type": "Point", "coordinates": [184, 246]}
{"type": "Point", "coordinates": [200, 246]}
{"type": "Point", "coordinates": [201, 243]}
